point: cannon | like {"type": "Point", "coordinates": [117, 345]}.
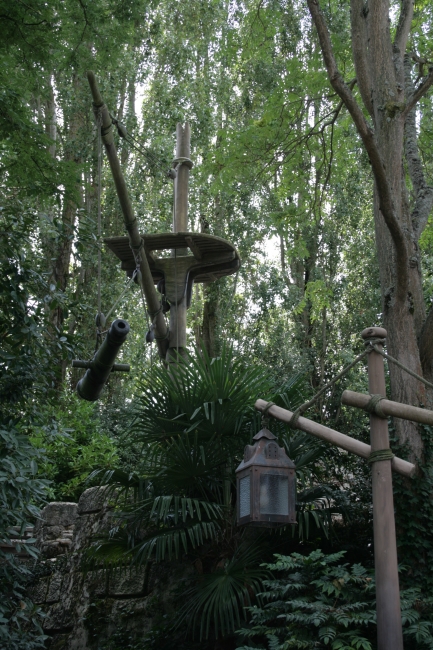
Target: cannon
{"type": "Point", "coordinates": [100, 367]}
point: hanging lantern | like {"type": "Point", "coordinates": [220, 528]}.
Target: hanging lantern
{"type": "Point", "coordinates": [266, 484]}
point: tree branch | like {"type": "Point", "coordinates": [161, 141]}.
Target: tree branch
{"type": "Point", "coordinates": [386, 203]}
{"type": "Point", "coordinates": [418, 93]}
{"type": "Point", "coordinates": [359, 39]}
{"type": "Point", "coordinates": [403, 27]}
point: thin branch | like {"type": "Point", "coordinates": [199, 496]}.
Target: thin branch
{"type": "Point", "coordinates": [386, 203]}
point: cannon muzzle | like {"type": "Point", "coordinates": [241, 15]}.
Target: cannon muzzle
{"type": "Point", "coordinates": [91, 385]}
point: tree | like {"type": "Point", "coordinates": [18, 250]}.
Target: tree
{"type": "Point", "coordinates": [390, 91]}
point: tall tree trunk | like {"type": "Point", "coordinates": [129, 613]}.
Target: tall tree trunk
{"type": "Point", "coordinates": [72, 200]}
{"type": "Point", "coordinates": [389, 97]}
{"type": "Point", "coordinates": [51, 120]}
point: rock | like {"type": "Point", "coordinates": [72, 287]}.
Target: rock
{"type": "Point", "coordinates": [58, 514]}
{"type": "Point", "coordinates": [95, 584]}
{"type": "Point", "coordinates": [38, 592]}
{"type": "Point", "coordinates": [59, 618]}
{"type": "Point", "coordinates": [128, 582]}
{"type": "Point", "coordinates": [54, 593]}
{"type": "Point", "coordinates": [94, 499]}
{"type": "Point", "coordinates": [90, 525]}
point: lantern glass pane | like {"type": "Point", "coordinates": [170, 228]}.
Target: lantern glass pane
{"type": "Point", "coordinates": [244, 496]}
{"type": "Point", "coordinates": [274, 494]}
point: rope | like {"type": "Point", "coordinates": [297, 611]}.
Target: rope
{"type": "Point", "coordinates": [265, 414]}
{"type": "Point", "coordinates": [99, 128]}
{"type": "Point", "coordinates": [144, 151]}
{"type": "Point", "coordinates": [402, 366]}
{"type": "Point", "coordinates": [374, 406]}
{"type": "Point", "coordinates": [122, 293]}
{"type": "Point", "coordinates": [136, 249]}
{"type": "Point", "coordinates": [177, 304]}
{"type": "Point", "coordinates": [306, 405]}
{"type": "Point", "coordinates": [380, 454]}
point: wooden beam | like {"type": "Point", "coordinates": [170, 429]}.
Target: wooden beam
{"type": "Point", "coordinates": [393, 409]}
{"type": "Point", "coordinates": [194, 248]}
{"type": "Point", "coordinates": [356, 447]}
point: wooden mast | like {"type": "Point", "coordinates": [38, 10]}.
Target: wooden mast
{"type": "Point", "coordinates": [178, 309]}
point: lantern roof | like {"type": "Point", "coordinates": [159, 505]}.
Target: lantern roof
{"type": "Point", "coordinates": [265, 453]}
{"type": "Point", "coordinates": [264, 433]}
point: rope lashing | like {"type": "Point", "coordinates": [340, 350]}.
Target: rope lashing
{"type": "Point", "coordinates": [154, 314]}
{"type": "Point", "coordinates": [294, 419]}
{"type": "Point", "coordinates": [374, 406]}
{"type": "Point", "coordinates": [265, 414]}
{"type": "Point", "coordinates": [380, 454]}
{"type": "Point", "coordinates": [182, 161]}
{"type": "Point", "coordinates": [136, 249]}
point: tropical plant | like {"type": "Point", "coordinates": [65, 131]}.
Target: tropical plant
{"type": "Point", "coordinates": [189, 428]}
{"type": "Point", "coordinates": [317, 602]}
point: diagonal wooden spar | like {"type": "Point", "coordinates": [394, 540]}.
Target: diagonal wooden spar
{"type": "Point", "coordinates": [129, 217]}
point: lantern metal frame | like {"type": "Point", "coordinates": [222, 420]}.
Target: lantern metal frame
{"type": "Point", "coordinates": [259, 498]}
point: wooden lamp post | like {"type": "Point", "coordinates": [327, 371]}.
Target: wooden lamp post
{"type": "Point", "coordinates": [389, 630]}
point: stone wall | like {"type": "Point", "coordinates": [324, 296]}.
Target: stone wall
{"type": "Point", "coordinates": [85, 611]}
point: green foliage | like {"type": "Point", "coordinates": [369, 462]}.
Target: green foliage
{"type": "Point", "coordinates": [414, 533]}
{"type": "Point", "coordinates": [218, 600]}
{"type": "Point", "coordinates": [20, 492]}
{"type": "Point", "coordinates": [319, 603]}
{"type": "Point", "coordinates": [74, 444]}
{"type": "Point", "coordinates": [190, 425]}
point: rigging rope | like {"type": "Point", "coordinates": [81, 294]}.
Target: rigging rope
{"type": "Point", "coordinates": [100, 318]}
{"type": "Point", "coordinates": [144, 151]}
{"type": "Point", "coordinates": [373, 405]}
{"type": "Point", "coordinates": [402, 366]}
{"type": "Point", "coordinates": [298, 412]}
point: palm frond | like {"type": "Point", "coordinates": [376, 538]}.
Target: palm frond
{"type": "Point", "coordinates": [218, 601]}
{"type": "Point", "coordinates": [164, 526]}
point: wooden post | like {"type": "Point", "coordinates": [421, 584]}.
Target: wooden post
{"type": "Point", "coordinates": [177, 342]}
{"type": "Point", "coordinates": [130, 221]}
{"type": "Point", "coordinates": [389, 630]}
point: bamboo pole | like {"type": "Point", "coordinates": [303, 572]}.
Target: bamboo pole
{"type": "Point", "coordinates": [356, 447]}
{"type": "Point", "coordinates": [152, 300]}
{"type": "Point", "coordinates": [389, 630]}
{"type": "Point", "coordinates": [393, 409]}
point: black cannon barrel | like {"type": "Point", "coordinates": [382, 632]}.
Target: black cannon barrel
{"type": "Point", "coordinates": [91, 385]}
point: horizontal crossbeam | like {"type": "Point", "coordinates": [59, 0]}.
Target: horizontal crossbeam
{"type": "Point", "coordinates": [393, 409]}
{"type": "Point", "coordinates": [399, 465]}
